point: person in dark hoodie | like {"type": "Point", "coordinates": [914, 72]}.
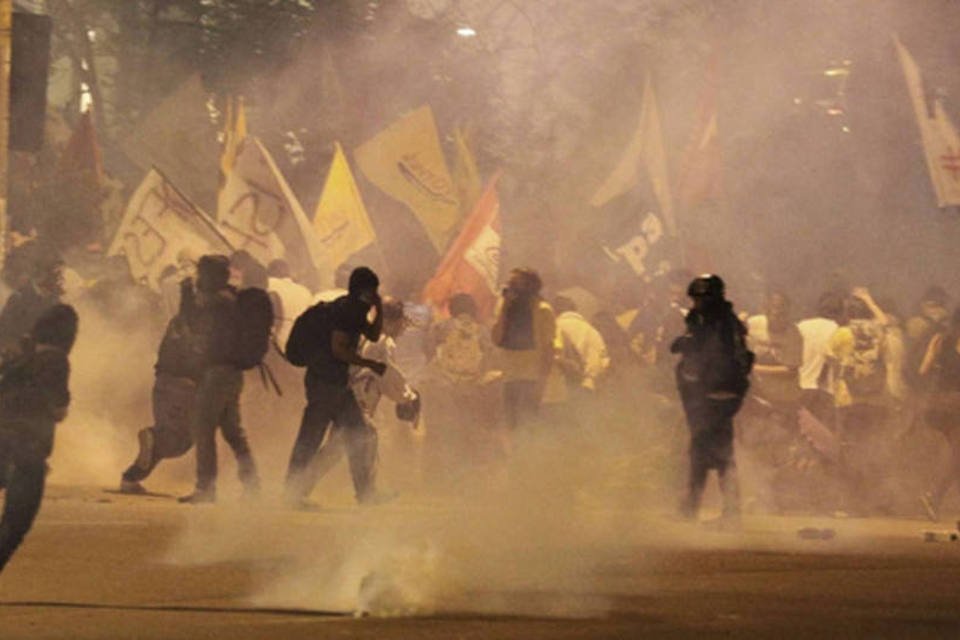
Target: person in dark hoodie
{"type": "Point", "coordinates": [178, 370]}
{"type": "Point", "coordinates": [213, 316]}
{"type": "Point", "coordinates": [34, 397]}
{"type": "Point", "coordinates": [35, 272]}
{"type": "Point", "coordinates": [712, 378]}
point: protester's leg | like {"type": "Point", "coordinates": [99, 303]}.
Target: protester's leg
{"type": "Point", "coordinates": [231, 426]}
{"type": "Point", "coordinates": [696, 481]}
{"type": "Point", "coordinates": [328, 455]}
{"type": "Point", "coordinates": [172, 435]}
{"type": "Point", "coordinates": [322, 403]}
{"type": "Point", "coordinates": [174, 400]}
{"type": "Point", "coordinates": [22, 501]}
{"type": "Point", "coordinates": [721, 429]}
{"type": "Point", "coordinates": [209, 408]}
{"type": "Point", "coordinates": [361, 441]}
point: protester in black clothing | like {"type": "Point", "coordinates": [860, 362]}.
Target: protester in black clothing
{"type": "Point", "coordinates": [36, 273]}
{"type": "Point", "coordinates": [335, 337]}
{"type": "Point", "coordinates": [712, 381]}
{"type": "Point", "coordinates": [34, 396]}
{"type": "Point", "coordinates": [212, 314]}
{"type": "Point", "coordinates": [179, 368]}
{"type": "Point", "coordinates": [941, 367]}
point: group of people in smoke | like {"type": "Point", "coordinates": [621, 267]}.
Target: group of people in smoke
{"type": "Point", "coordinates": [841, 381]}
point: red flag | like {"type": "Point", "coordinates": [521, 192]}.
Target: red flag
{"type": "Point", "coordinates": [82, 153]}
{"type": "Point", "coordinates": [700, 175]}
{"type": "Point", "coordinates": [472, 264]}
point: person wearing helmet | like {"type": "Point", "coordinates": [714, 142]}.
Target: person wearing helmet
{"type": "Point", "coordinates": [712, 379]}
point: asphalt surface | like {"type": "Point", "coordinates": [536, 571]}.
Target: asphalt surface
{"type": "Point", "coordinates": [101, 565]}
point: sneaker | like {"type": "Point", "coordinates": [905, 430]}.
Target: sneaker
{"type": "Point", "coordinates": [132, 488]}
{"type": "Point", "coordinates": [373, 498]}
{"type": "Point", "coordinates": [929, 508]}
{"type": "Point", "coordinates": [147, 442]}
{"type": "Point", "coordinates": [200, 496]}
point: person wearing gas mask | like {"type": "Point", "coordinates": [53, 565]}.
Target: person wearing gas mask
{"type": "Point", "coordinates": [712, 379]}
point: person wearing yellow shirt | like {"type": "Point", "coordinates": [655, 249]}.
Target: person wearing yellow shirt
{"type": "Point", "coordinates": [524, 332]}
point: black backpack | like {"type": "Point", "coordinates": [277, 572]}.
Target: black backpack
{"type": "Point", "coordinates": [305, 345]}
{"type": "Point", "coordinates": [254, 314]}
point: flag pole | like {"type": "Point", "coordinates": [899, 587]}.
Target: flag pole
{"type": "Point", "coordinates": [200, 214]}
{"type": "Point", "coordinates": [6, 37]}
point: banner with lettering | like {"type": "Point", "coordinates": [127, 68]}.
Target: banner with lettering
{"type": "Point", "coordinates": [260, 213]}
{"type": "Point", "coordinates": [405, 160]}
{"type": "Point", "coordinates": [162, 228]}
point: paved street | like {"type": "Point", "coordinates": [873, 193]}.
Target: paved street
{"type": "Point", "coordinates": [100, 565]}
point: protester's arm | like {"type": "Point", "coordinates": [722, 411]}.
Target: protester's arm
{"type": "Point", "coordinates": [862, 294]}
{"type": "Point", "coordinates": [340, 347]}
{"type": "Point", "coordinates": [545, 335]}
{"type": "Point", "coordinates": [371, 330]}
{"type": "Point", "coordinates": [499, 324]}
{"type": "Point", "coordinates": [930, 357]}
{"type": "Point", "coordinates": [595, 357]}
{"type": "Point", "coordinates": [52, 381]}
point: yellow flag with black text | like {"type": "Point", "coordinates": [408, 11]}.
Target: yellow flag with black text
{"type": "Point", "coordinates": [405, 161]}
{"type": "Point", "coordinates": [341, 221]}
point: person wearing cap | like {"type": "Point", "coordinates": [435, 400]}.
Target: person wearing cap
{"type": "Point", "coordinates": [330, 397]}
{"type": "Point", "coordinates": [712, 378]}
{"type": "Point", "coordinates": [211, 314]}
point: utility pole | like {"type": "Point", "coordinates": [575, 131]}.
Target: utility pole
{"type": "Point", "coordinates": [6, 36]}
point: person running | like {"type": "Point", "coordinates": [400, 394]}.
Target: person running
{"type": "Point", "coordinates": [34, 396]}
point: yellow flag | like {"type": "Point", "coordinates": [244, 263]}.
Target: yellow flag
{"type": "Point", "coordinates": [406, 161]}
{"type": "Point", "coordinates": [941, 143]}
{"type": "Point", "coordinates": [646, 150]}
{"type": "Point", "coordinates": [341, 220]}
{"type": "Point", "coordinates": [465, 174]}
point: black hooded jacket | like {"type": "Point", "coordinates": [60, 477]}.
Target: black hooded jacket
{"type": "Point", "coordinates": [714, 354]}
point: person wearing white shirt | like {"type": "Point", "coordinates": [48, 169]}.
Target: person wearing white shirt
{"type": "Point", "coordinates": [815, 379]}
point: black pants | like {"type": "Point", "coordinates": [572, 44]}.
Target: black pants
{"type": "Point", "coordinates": [218, 405]}
{"type": "Point", "coordinates": [711, 447]}
{"type": "Point", "coordinates": [174, 400]}
{"type": "Point", "coordinates": [521, 402]}
{"type": "Point", "coordinates": [24, 482]}
{"type": "Point", "coordinates": [336, 404]}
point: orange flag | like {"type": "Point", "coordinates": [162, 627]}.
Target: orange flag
{"type": "Point", "coordinates": [472, 264]}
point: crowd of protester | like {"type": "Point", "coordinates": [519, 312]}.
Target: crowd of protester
{"type": "Point", "coordinates": [823, 402]}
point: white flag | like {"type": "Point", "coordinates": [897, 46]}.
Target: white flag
{"type": "Point", "coordinates": [941, 144]}
{"type": "Point", "coordinates": [645, 151]}
{"type": "Point", "coordinates": [160, 228]}
{"type": "Point", "coordinates": [259, 212]}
